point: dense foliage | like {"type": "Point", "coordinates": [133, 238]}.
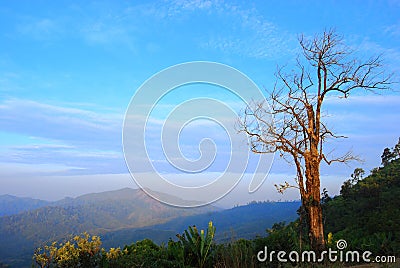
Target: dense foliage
{"type": "Point", "coordinates": [191, 250]}
{"type": "Point", "coordinates": [367, 213]}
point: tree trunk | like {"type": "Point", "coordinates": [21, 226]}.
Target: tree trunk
{"type": "Point", "coordinates": [316, 231]}
{"type": "Point", "coordinates": [312, 203]}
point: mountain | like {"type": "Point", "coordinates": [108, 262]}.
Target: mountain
{"type": "Point", "coordinates": [10, 205]}
{"type": "Point", "coordinates": [95, 213]}
{"type": "Point", "coordinates": [124, 216]}
{"type": "Point", "coordinates": [246, 222]}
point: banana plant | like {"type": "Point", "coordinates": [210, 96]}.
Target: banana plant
{"type": "Point", "coordinates": [197, 245]}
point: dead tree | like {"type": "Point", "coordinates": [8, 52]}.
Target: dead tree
{"type": "Point", "coordinates": [292, 123]}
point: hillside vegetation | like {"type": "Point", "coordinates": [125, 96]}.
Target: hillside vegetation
{"type": "Point", "coordinates": [127, 215]}
{"type": "Point", "coordinates": [95, 213]}
{"type": "Point", "coordinates": [367, 213]}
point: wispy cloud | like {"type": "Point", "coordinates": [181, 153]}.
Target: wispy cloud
{"type": "Point", "coordinates": [111, 26]}
{"type": "Point", "coordinates": [69, 136]}
{"type": "Point", "coordinates": [40, 28]}
{"type": "Point", "coordinates": [252, 35]}
{"type": "Point", "coordinates": [111, 29]}
{"type": "Point", "coordinates": [364, 47]}
{"type": "Point", "coordinates": [365, 100]}
{"type": "Point", "coordinates": [393, 30]}
{"type": "Point", "coordinates": [72, 125]}
{"type": "Point", "coordinates": [364, 115]}
{"type": "Point", "coordinates": [72, 161]}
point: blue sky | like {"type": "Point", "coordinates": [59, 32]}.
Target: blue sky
{"type": "Point", "coordinates": [68, 70]}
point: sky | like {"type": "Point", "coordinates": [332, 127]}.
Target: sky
{"type": "Point", "coordinates": [69, 70]}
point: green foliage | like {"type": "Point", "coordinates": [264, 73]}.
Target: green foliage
{"type": "Point", "coordinates": [175, 254]}
{"type": "Point", "coordinates": [288, 237]}
{"type": "Point", "coordinates": [348, 184]}
{"type": "Point", "coordinates": [197, 245]}
{"type": "Point", "coordinates": [240, 253]}
{"type": "Point", "coordinates": [143, 253]}
{"type": "Point", "coordinates": [86, 251]}
{"type": "Point", "coordinates": [389, 155]}
{"type": "Point", "coordinates": [367, 213]}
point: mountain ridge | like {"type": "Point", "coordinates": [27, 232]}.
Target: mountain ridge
{"type": "Point", "coordinates": [10, 204]}
{"type": "Point", "coordinates": [115, 218]}
{"type": "Point", "coordinates": [246, 221]}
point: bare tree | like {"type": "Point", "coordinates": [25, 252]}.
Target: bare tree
{"type": "Point", "coordinates": [292, 122]}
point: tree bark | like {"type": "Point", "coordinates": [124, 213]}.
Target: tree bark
{"type": "Point", "coordinates": [316, 230]}
{"type": "Point", "coordinates": [312, 196]}
{"type": "Point", "coordinates": [312, 205]}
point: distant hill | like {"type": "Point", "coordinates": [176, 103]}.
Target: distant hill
{"type": "Point", "coordinates": [239, 222]}
{"type": "Point", "coordinates": [10, 205]}
{"type": "Point", "coordinates": [95, 213]}
{"type": "Point", "coordinates": [246, 221]}
{"type": "Point", "coordinates": [125, 216]}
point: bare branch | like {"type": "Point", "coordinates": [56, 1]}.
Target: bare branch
{"type": "Point", "coordinates": [283, 187]}
{"type": "Point", "coordinates": [343, 159]}
{"type": "Point", "coordinates": [293, 124]}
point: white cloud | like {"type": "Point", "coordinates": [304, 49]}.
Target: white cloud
{"type": "Point", "coordinates": [84, 141]}
{"type": "Point", "coordinates": [251, 36]}
{"type": "Point", "coordinates": [71, 125]}
{"type": "Point", "coordinates": [193, 4]}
